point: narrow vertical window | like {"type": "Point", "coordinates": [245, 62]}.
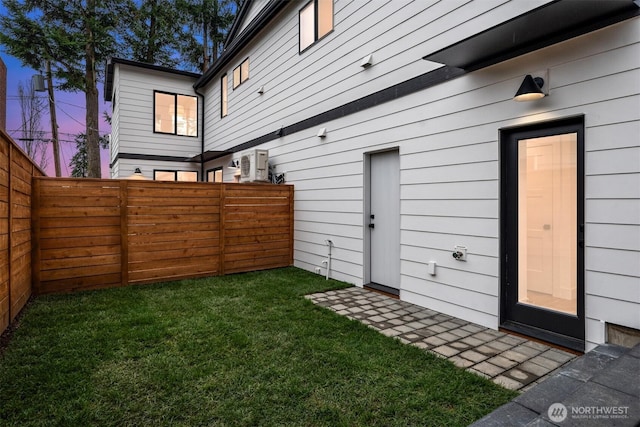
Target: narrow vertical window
{"type": "Point", "coordinates": [164, 113]}
{"type": "Point", "coordinates": [316, 21]}
{"type": "Point", "coordinates": [325, 17]}
{"type": "Point", "coordinates": [187, 116]}
{"type": "Point", "coordinates": [307, 26]}
{"type": "Point", "coordinates": [224, 94]}
{"type": "Point", "coordinates": [241, 73]}
{"type": "Point", "coordinates": [236, 77]}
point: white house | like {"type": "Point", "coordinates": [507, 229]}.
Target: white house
{"type": "Point", "coordinates": [397, 124]}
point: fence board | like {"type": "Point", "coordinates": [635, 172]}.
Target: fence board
{"type": "Point", "coordinates": [16, 171]}
{"type": "Point", "coordinates": [106, 233]}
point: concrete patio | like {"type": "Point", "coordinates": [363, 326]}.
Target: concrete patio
{"type": "Point", "coordinates": [607, 377]}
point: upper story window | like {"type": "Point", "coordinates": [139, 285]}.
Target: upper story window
{"type": "Point", "coordinates": [175, 114]}
{"type": "Point", "coordinates": [224, 95]}
{"type": "Point", "coordinates": [241, 73]}
{"type": "Point", "coordinates": [316, 21]}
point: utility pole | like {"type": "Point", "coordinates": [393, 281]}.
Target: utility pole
{"type": "Point", "coordinates": [54, 121]}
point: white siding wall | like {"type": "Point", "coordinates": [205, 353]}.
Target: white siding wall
{"type": "Point", "coordinates": [255, 8]}
{"type": "Point", "coordinates": [134, 121]}
{"type": "Point", "coordinates": [448, 141]}
{"type": "Point", "coordinates": [115, 119]}
{"type": "Point", "coordinates": [298, 86]}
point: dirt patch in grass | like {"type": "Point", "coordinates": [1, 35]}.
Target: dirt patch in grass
{"type": "Point", "coordinates": [7, 335]}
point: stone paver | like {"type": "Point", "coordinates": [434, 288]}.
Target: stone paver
{"type": "Point", "coordinates": [484, 351]}
{"type": "Point", "coordinates": [606, 377]}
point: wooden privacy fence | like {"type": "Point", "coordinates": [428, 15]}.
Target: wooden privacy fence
{"type": "Point", "coordinates": [91, 234]}
{"type": "Point", "coordinates": [16, 170]}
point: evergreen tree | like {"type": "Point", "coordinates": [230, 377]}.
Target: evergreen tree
{"type": "Point", "coordinates": [76, 37]}
{"type": "Point", "coordinates": [207, 24]}
{"type": "Point", "coordinates": [151, 32]}
{"type": "Point", "coordinates": [79, 163]}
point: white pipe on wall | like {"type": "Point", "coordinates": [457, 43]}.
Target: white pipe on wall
{"type": "Point", "coordinates": [329, 243]}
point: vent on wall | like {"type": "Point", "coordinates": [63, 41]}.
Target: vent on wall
{"type": "Point", "coordinates": [254, 166]}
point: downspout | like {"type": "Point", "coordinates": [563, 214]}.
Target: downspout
{"type": "Point", "coordinates": [203, 178]}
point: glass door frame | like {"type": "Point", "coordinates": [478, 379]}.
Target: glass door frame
{"type": "Point", "coordinates": [563, 329]}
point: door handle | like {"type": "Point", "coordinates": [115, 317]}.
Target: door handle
{"type": "Point", "coordinates": [372, 225]}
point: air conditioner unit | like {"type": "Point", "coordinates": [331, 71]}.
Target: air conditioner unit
{"type": "Point", "coordinates": [254, 166]}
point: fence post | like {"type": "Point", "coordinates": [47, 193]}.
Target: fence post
{"type": "Point", "coordinates": [221, 236]}
{"type": "Point", "coordinates": [291, 225]}
{"type": "Point", "coordinates": [9, 228]}
{"type": "Point", "coordinates": [124, 232]}
{"type": "Point", "coordinates": [36, 255]}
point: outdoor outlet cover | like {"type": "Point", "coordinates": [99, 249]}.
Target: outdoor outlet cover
{"type": "Point", "coordinates": [460, 253]}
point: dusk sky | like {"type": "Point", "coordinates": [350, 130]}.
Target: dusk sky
{"type": "Point", "coordinates": [70, 109]}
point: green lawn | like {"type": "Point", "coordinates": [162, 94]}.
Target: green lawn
{"type": "Point", "coordinates": [245, 349]}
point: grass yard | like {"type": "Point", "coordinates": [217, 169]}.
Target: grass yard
{"type": "Point", "coordinates": [245, 349]}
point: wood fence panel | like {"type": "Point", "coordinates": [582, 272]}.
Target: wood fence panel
{"type": "Point", "coordinates": [5, 302]}
{"type": "Point", "coordinates": [79, 234]}
{"type": "Point", "coordinates": [16, 172]}
{"type": "Point", "coordinates": [258, 227]}
{"type": "Point", "coordinates": [94, 234]}
{"type": "Point", "coordinates": [172, 230]}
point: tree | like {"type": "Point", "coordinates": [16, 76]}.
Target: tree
{"type": "Point", "coordinates": [208, 22]}
{"type": "Point", "coordinates": [76, 37]}
{"type": "Point", "coordinates": [79, 163]}
{"type": "Point", "coordinates": [32, 137]}
{"type": "Point", "coordinates": [150, 32]}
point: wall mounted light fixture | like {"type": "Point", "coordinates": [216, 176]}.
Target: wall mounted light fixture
{"type": "Point", "coordinates": [137, 174]}
{"type": "Point", "coordinates": [234, 164]}
{"type": "Point", "coordinates": [530, 89]}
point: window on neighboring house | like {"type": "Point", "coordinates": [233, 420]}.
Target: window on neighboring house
{"type": "Point", "coordinates": [175, 114]}
{"type": "Point", "coordinates": [224, 95]}
{"type": "Point", "coordinates": [165, 175]}
{"type": "Point", "coordinates": [316, 21]}
{"type": "Point", "coordinates": [241, 73]}
{"type": "Point", "coordinates": [214, 175]}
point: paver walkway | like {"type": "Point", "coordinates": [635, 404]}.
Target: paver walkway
{"type": "Point", "coordinates": [558, 388]}
{"type": "Point", "coordinates": [510, 361]}
{"type": "Point", "coordinates": [601, 388]}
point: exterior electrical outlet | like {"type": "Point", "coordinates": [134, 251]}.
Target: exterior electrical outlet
{"type": "Point", "coordinates": [460, 253]}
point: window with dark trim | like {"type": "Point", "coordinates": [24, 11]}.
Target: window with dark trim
{"type": "Point", "coordinates": [224, 95]}
{"type": "Point", "coordinates": [214, 175]}
{"type": "Point", "coordinates": [316, 21]}
{"type": "Point", "coordinates": [241, 73]}
{"type": "Point", "coordinates": [175, 114]}
{"type": "Point", "coordinates": [169, 175]}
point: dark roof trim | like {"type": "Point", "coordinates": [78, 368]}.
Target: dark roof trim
{"type": "Point", "coordinates": [238, 20]}
{"type": "Point", "coordinates": [108, 86]}
{"type": "Point", "coordinates": [236, 44]}
{"type": "Point", "coordinates": [541, 27]}
{"type": "Point", "coordinates": [207, 155]}
{"type": "Point", "coordinates": [153, 157]}
{"type": "Point", "coordinates": [432, 78]}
